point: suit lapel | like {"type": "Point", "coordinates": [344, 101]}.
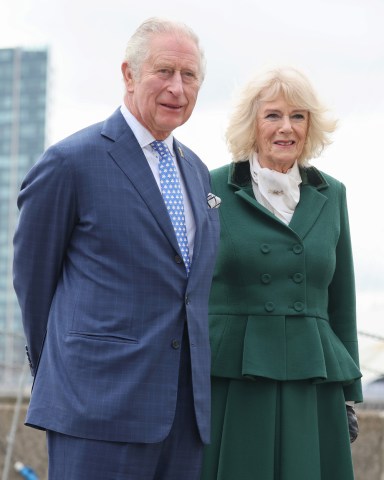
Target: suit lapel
{"type": "Point", "coordinates": [195, 193]}
{"type": "Point", "coordinates": [308, 210]}
{"type": "Point", "coordinates": [247, 195]}
{"type": "Point", "coordinates": [128, 155]}
{"type": "Point", "coordinates": [311, 199]}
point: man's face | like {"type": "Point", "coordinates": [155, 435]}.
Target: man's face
{"type": "Point", "coordinates": [164, 95]}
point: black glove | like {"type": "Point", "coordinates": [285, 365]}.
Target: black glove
{"type": "Point", "coordinates": [353, 425]}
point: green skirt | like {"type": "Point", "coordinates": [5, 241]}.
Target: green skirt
{"type": "Point", "coordinates": [272, 430]}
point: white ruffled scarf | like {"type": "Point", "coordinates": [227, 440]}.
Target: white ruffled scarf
{"type": "Point", "coordinates": [276, 191]}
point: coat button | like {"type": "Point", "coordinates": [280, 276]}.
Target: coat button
{"type": "Point", "coordinates": [298, 306]}
{"type": "Point", "coordinates": [298, 277]}
{"type": "Point", "coordinates": [175, 344]}
{"type": "Point", "coordinates": [297, 248]}
{"type": "Point", "coordinates": [178, 259]}
{"type": "Point", "coordinates": [187, 300]}
{"type": "Point", "coordinates": [266, 278]}
{"type": "Point", "coordinates": [269, 306]}
{"type": "Point", "coordinates": [265, 248]}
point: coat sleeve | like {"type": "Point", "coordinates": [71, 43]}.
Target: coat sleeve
{"type": "Point", "coordinates": [47, 207]}
{"type": "Point", "coordinates": [342, 297]}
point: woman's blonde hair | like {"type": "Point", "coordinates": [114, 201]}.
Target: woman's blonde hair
{"type": "Point", "coordinates": [241, 133]}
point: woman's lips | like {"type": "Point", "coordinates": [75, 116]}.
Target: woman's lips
{"type": "Point", "coordinates": [284, 143]}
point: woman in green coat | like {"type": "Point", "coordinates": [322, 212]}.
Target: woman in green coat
{"type": "Point", "coordinates": [285, 366]}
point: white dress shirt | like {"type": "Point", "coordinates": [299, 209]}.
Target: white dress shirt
{"type": "Point", "coordinates": [145, 138]}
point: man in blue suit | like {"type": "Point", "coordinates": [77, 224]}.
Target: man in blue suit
{"type": "Point", "coordinates": [114, 306]}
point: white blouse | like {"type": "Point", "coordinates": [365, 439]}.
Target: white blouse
{"type": "Point", "coordinates": [276, 191]}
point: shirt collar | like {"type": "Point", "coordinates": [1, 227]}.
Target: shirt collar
{"type": "Point", "coordinates": [143, 136]}
{"type": "Point", "coordinates": [240, 175]}
{"type": "Point", "coordinates": [256, 170]}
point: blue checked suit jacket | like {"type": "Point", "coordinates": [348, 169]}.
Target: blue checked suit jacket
{"type": "Point", "coordinates": [103, 292]}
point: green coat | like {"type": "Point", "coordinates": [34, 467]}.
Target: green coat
{"type": "Point", "coordinates": [282, 303]}
{"type": "Point", "coordinates": [283, 335]}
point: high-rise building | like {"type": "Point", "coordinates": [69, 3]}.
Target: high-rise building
{"type": "Point", "coordinates": [23, 102]}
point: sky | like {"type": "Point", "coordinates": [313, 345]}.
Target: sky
{"type": "Point", "coordinates": [338, 44]}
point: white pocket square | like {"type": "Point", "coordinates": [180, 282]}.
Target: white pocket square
{"type": "Point", "coordinates": [213, 201]}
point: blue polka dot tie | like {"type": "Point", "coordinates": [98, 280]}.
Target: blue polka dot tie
{"type": "Point", "coordinates": [173, 198]}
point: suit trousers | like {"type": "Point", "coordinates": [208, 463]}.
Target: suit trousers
{"type": "Point", "coordinates": [177, 457]}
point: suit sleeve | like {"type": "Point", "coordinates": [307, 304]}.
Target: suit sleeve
{"type": "Point", "coordinates": [342, 296]}
{"type": "Point", "coordinates": [47, 207]}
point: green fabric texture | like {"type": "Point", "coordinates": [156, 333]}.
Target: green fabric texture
{"type": "Point", "coordinates": [269, 430]}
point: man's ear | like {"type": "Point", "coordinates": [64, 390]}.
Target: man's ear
{"type": "Point", "coordinates": [127, 76]}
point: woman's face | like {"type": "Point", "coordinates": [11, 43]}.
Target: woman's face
{"type": "Point", "coordinates": [281, 132]}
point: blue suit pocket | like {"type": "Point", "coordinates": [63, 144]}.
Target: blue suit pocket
{"type": "Point", "coordinates": [103, 337]}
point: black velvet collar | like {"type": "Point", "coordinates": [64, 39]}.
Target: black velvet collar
{"type": "Point", "coordinates": [240, 175]}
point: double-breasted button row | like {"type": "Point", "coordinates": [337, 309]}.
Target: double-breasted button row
{"type": "Point", "coordinates": [266, 278]}
{"type": "Point", "coordinates": [297, 248]}
{"type": "Point", "coordinates": [270, 306]}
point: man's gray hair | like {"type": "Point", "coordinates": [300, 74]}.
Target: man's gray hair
{"type": "Point", "coordinates": [137, 49]}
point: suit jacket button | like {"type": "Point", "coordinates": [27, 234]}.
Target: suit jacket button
{"type": "Point", "coordinates": [298, 306]}
{"type": "Point", "coordinates": [297, 248]}
{"type": "Point", "coordinates": [178, 259]}
{"type": "Point", "coordinates": [265, 248]}
{"type": "Point", "coordinates": [266, 278]}
{"type": "Point", "coordinates": [175, 344]}
{"type": "Point", "coordinates": [298, 277]}
{"type": "Point", "coordinates": [269, 306]}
